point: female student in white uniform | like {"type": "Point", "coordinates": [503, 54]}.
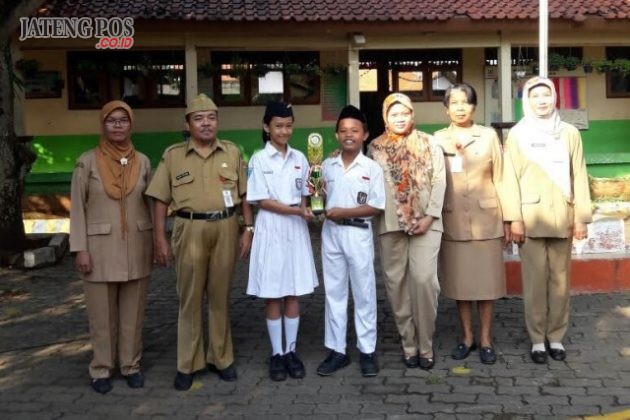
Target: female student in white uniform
{"type": "Point", "coordinates": [281, 265]}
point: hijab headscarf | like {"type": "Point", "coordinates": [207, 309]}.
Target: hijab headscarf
{"type": "Point", "coordinates": [117, 162]}
{"type": "Point", "coordinates": [535, 131]}
{"type": "Point", "coordinates": [406, 161]}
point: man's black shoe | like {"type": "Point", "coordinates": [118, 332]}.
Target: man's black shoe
{"type": "Point", "coordinates": [333, 363]}
{"type": "Point", "coordinates": [228, 374]}
{"type": "Point", "coordinates": [183, 381]}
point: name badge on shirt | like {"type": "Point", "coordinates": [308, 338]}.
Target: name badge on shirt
{"type": "Point", "coordinates": [457, 164]}
{"type": "Point", "coordinates": [227, 198]}
{"type": "Point", "coordinates": [538, 145]}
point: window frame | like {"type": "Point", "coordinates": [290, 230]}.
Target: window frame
{"type": "Point", "coordinates": [613, 53]}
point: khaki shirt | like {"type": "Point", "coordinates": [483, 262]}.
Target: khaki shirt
{"type": "Point", "coordinates": [95, 224]}
{"type": "Point", "coordinates": [532, 197]}
{"type": "Point", "coordinates": [472, 206]}
{"type": "Point", "coordinates": [187, 181]}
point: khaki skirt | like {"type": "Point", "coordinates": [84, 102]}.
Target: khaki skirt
{"type": "Point", "coordinates": [472, 270]}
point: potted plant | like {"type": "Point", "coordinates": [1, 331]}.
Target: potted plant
{"type": "Point", "coordinates": [602, 65]}
{"type": "Point", "coordinates": [555, 61]}
{"type": "Point", "coordinates": [571, 63]}
{"type": "Point", "coordinates": [621, 65]}
{"type": "Point", "coordinates": [587, 65]}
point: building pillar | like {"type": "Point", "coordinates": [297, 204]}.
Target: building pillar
{"type": "Point", "coordinates": [354, 96]}
{"type": "Point", "coordinates": [192, 87]}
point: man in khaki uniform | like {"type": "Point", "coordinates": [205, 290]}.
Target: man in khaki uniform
{"type": "Point", "coordinates": [547, 201]}
{"type": "Point", "coordinates": [203, 180]}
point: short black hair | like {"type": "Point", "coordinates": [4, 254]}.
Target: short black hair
{"type": "Point", "coordinates": [471, 94]}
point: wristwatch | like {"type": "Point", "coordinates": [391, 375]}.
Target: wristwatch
{"type": "Point", "coordinates": [249, 228]}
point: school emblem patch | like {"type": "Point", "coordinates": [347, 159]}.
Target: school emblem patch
{"type": "Point", "coordinates": [299, 182]}
{"type": "Point", "coordinates": [361, 197]}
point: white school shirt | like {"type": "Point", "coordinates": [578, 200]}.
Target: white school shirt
{"type": "Point", "coordinates": [274, 177]}
{"type": "Point", "coordinates": [361, 183]}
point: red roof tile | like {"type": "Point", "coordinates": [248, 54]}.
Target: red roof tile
{"type": "Point", "coordinates": [334, 10]}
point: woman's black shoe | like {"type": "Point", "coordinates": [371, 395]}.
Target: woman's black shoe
{"type": "Point", "coordinates": [487, 355]}
{"type": "Point", "coordinates": [183, 381]}
{"type": "Point", "coordinates": [411, 361]}
{"type": "Point", "coordinates": [135, 380]}
{"type": "Point", "coordinates": [101, 385]}
{"type": "Point", "coordinates": [426, 363]}
{"type": "Point", "coordinates": [462, 350]}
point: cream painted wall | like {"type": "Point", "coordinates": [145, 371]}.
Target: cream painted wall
{"type": "Point", "coordinates": [600, 107]}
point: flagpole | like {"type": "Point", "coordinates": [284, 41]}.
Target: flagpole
{"type": "Point", "coordinates": [543, 37]}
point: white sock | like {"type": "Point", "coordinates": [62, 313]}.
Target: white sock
{"type": "Point", "coordinates": [539, 347]}
{"type": "Point", "coordinates": [274, 327]}
{"type": "Point", "coordinates": [291, 326]}
{"type": "Point", "coordinates": [556, 346]}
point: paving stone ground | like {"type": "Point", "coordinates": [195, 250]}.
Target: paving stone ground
{"type": "Point", "coordinates": [44, 354]}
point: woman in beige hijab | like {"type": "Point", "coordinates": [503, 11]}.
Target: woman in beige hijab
{"type": "Point", "coordinates": [110, 232]}
{"type": "Point", "coordinates": [548, 204]}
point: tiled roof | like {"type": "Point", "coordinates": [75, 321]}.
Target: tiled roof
{"type": "Point", "coordinates": [334, 10]}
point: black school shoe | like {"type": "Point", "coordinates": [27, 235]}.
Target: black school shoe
{"type": "Point", "coordinates": [101, 385]}
{"type": "Point", "coordinates": [557, 354]}
{"type": "Point", "coordinates": [183, 381]}
{"type": "Point", "coordinates": [333, 363]}
{"type": "Point", "coordinates": [426, 363]}
{"type": "Point", "coordinates": [277, 369]}
{"type": "Point", "coordinates": [135, 380]}
{"type": "Point", "coordinates": [294, 365]}
{"type": "Point", "coordinates": [369, 364]}
{"type": "Point", "coordinates": [228, 374]}
{"type": "Point", "coordinates": [539, 357]}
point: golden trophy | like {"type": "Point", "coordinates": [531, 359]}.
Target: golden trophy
{"type": "Point", "coordinates": [315, 182]}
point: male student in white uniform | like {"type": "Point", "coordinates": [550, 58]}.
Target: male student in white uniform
{"type": "Point", "coordinates": [355, 193]}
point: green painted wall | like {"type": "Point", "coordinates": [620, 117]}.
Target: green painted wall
{"type": "Point", "coordinates": [606, 145]}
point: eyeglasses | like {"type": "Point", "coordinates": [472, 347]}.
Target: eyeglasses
{"type": "Point", "coordinates": [122, 122]}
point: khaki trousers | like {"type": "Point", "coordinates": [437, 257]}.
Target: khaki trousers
{"type": "Point", "coordinates": [205, 254]}
{"type": "Point", "coordinates": [545, 271]}
{"type": "Point", "coordinates": [410, 268]}
{"type": "Point", "coordinates": [116, 314]}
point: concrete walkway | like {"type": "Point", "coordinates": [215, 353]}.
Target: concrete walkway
{"type": "Point", "coordinates": [44, 354]}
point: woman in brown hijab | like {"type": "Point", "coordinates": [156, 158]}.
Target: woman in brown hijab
{"type": "Point", "coordinates": [110, 232]}
{"type": "Point", "coordinates": [410, 229]}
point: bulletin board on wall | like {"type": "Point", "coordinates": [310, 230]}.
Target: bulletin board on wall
{"type": "Point", "coordinates": [334, 95]}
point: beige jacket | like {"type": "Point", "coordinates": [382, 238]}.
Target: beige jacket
{"type": "Point", "coordinates": [532, 197]}
{"type": "Point", "coordinates": [472, 205]}
{"type": "Point", "coordinates": [95, 224]}
{"type": "Point", "coordinates": [431, 202]}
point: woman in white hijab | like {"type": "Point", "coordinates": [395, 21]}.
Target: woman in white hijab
{"type": "Point", "coordinates": [548, 204]}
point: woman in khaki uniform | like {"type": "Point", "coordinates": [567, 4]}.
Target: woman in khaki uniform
{"type": "Point", "coordinates": [471, 255]}
{"type": "Point", "coordinates": [548, 204]}
{"type": "Point", "coordinates": [111, 233]}
{"type": "Point", "coordinates": [410, 229]}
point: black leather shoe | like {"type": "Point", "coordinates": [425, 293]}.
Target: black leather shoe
{"type": "Point", "coordinates": [183, 381]}
{"type": "Point", "coordinates": [228, 374]}
{"type": "Point", "coordinates": [294, 365]}
{"type": "Point", "coordinates": [462, 350]}
{"type": "Point", "coordinates": [558, 354]}
{"type": "Point", "coordinates": [135, 380]}
{"type": "Point", "coordinates": [487, 355]}
{"type": "Point", "coordinates": [426, 363]}
{"type": "Point", "coordinates": [277, 369]}
{"type": "Point", "coordinates": [101, 385]}
{"type": "Point", "coordinates": [539, 356]}
{"type": "Point", "coordinates": [411, 361]}
{"type": "Point", "coordinates": [333, 363]}
{"type": "Point", "coordinates": [369, 364]}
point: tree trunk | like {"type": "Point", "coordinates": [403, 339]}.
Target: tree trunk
{"type": "Point", "coordinates": [15, 161]}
